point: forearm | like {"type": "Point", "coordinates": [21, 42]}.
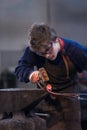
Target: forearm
{"type": "Point", "coordinates": [23, 73]}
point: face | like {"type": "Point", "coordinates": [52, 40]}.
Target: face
{"type": "Point", "coordinates": [48, 50]}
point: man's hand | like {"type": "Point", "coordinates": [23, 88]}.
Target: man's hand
{"type": "Point", "coordinates": [34, 77]}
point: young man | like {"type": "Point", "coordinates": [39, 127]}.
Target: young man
{"type": "Point", "coordinates": [62, 59]}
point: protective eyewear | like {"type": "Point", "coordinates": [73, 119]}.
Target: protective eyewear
{"type": "Point", "coordinates": [48, 49]}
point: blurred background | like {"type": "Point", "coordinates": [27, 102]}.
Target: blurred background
{"type": "Point", "coordinates": [67, 17]}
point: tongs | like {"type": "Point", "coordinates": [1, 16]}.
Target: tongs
{"type": "Point", "coordinates": [49, 88]}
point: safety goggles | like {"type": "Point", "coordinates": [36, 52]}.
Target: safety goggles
{"type": "Point", "coordinates": [48, 49]}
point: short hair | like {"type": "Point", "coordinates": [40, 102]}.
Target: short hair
{"type": "Point", "coordinates": [40, 33]}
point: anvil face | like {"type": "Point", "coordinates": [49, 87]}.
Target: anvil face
{"type": "Point", "coordinates": [14, 100]}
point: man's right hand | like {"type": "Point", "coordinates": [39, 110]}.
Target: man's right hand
{"type": "Point", "coordinates": [34, 77]}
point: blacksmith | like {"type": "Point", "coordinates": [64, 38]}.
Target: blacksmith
{"type": "Point", "coordinates": [62, 59]}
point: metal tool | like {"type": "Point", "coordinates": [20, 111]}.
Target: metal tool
{"type": "Point", "coordinates": [43, 78]}
{"type": "Point", "coordinates": [49, 88]}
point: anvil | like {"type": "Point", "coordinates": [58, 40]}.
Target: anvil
{"type": "Point", "coordinates": [17, 99]}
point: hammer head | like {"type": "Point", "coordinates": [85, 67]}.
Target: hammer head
{"type": "Point", "coordinates": [43, 75]}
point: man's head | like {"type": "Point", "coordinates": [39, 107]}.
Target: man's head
{"type": "Point", "coordinates": [40, 33]}
{"type": "Point", "coordinates": [41, 39]}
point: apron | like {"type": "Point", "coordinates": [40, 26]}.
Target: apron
{"type": "Point", "coordinates": [61, 75]}
{"type": "Point", "coordinates": [64, 113]}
